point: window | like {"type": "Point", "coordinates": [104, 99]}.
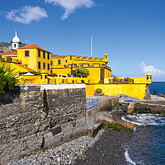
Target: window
{"type": "Point", "coordinates": [15, 45]}
{"type": "Point", "coordinates": [39, 55]}
{"type": "Point", "coordinates": [39, 65]}
{"type": "Point", "coordinates": [46, 76]}
{"type": "Point", "coordinates": [48, 67]}
{"type": "Point", "coordinates": [59, 62]}
{"type": "Point", "coordinates": [66, 61]}
{"type": "Point", "coordinates": [43, 54]}
{"type": "Point", "coordinates": [48, 56]}
{"type": "Point", "coordinates": [52, 63]}
{"type": "Point", "coordinates": [26, 53]}
{"type": "Point", "coordinates": [44, 66]}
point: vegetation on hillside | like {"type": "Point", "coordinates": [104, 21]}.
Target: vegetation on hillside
{"type": "Point", "coordinates": [8, 78]}
{"type": "Point", "coordinates": [7, 44]}
{"type": "Point", "coordinates": [4, 44]}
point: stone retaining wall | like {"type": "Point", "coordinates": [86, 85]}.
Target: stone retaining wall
{"type": "Point", "coordinates": [40, 117]}
{"type": "Point", "coordinates": [151, 107]}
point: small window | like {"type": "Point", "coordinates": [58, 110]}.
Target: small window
{"type": "Point", "coordinates": [39, 65]}
{"type": "Point", "coordinates": [59, 62]}
{"type": "Point", "coordinates": [44, 66]}
{"type": "Point", "coordinates": [15, 45]}
{"type": "Point", "coordinates": [48, 56]}
{"type": "Point", "coordinates": [26, 53]}
{"type": "Point", "coordinates": [39, 55]}
{"type": "Point", "coordinates": [41, 76]}
{"type": "Point", "coordinates": [46, 76]}
{"type": "Point", "coordinates": [52, 63]}
{"type": "Point", "coordinates": [48, 67]}
{"type": "Point", "coordinates": [43, 54]}
{"type": "Point", "coordinates": [66, 61]}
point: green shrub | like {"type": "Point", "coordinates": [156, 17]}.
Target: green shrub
{"type": "Point", "coordinates": [7, 78]}
{"type": "Point", "coordinates": [69, 75]}
{"type": "Point", "coordinates": [98, 90]}
{"type": "Point", "coordinates": [83, 72]}
{"type": "Point", "coordinates": [77, 75]}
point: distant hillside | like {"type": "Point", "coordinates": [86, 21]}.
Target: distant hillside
{"type": "Point", "coordinates": [7, 44]}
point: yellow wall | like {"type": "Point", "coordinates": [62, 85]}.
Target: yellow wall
{"type": "Point", "coordinates": [133, 90]}
{"type": "Point", "coordinates": [33, 59]}
{"type": "Point", "coordinates": [62, 71]}
{"type": "Point", "coordinates": [94, 74]}
{"type": "Point", "coordinates": [79, 60]}
{"type": "Point", "coordinates": [139, 79]}
{"type": "Point", "coordinates": [17, 68]}
{"type": "Point", "coordinates": [107, 73]}
{"type": "Point", "coordinates": [30, 61]}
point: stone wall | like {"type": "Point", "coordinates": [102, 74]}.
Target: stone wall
{"type": "Point", "coordinates": [40, 117]}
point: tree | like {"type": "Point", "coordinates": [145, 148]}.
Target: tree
{"type": "Point", "coordinates": [8, 78]}
{"type": "Point", "coordinates": [82, 72]}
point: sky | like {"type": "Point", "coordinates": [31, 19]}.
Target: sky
{"type": "Point", "coordinates": [132, 32]}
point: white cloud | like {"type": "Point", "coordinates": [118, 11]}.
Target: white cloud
{"type": "Point", "coordinates": [71, 5]}
{"type": "Point", "coordinates": [151, 69]}
{"type": "Point", "coordinates": [27, 14]}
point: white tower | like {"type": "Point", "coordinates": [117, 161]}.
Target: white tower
{"type": "Point", "coordinates": [15, 42]}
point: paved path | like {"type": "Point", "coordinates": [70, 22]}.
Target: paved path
{"type": "Point", "coordinates": [155, 97]}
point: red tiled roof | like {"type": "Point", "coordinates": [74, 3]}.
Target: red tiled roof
{"type": "Point", "coordinates": [8, 53]}
{"type": "Point", "coordinates": [30, 70]}
{"type": "Point", "coordinates": [7, 49]}
{"type": "Point", "coordinates": [33, 46]}
{"type": "Point", "coordinates": [61, 56]}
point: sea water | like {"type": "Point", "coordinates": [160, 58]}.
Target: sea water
{"type": "Point", "coordinates": [157, 86]}
{"type": "Point", "coordinates": [147, 145]}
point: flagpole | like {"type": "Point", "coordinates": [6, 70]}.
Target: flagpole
{"type": "Point", "coordinates": [91, 47]}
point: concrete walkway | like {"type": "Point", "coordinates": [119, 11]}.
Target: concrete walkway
{"type": "Point", "coordinates": [155, 98]}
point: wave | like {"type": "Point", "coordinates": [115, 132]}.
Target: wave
{"type": "Point", "coordinates": [145, 119]}
{"type": "Point", "coordinates": [128, 159]}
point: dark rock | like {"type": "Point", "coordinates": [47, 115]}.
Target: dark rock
{"type": "Point", "coordinates": [147, 96]}
{"type": "Point", "coordinates": [162, 95]}
{"type": "Point", "coordinates": [107, 150]}
{"type": "Point", "coordinates": [98, 94]}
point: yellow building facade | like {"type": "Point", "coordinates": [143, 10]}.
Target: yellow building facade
{"type": "Point", "coordinates": [36, 65]}
{"type": "Point", "coordinates": [98, 69]}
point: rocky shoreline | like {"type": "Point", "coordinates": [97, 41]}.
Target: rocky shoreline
{"type": "Point", "coordinates": [106, 148]}
{"type": "Point", "coordinates": [65, 154]}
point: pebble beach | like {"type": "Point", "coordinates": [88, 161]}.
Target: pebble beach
{"type": "Point", "coordinates": [104, 148]}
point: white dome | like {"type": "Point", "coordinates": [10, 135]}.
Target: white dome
{"type": "Point", "coordinates": [16, 39]}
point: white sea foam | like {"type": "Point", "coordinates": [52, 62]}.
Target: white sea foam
{"type": "Point", "coordinates": [145, 119]}
{"type": "Point", "coordinates": [128, 159]}
{"type": "Point", "coordinates": [134, 129]}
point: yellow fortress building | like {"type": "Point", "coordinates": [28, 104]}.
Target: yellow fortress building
{"type": "Point", "coordinates": [36, 65]}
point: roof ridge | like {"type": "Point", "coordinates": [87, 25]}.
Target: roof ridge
{"type": "Point", "coordinates": [29, 69]}
{"type": "Point", "coordinates": [33, 46]}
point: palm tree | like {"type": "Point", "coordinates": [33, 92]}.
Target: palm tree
{"type": "Point", "coordinates": [8, 78]}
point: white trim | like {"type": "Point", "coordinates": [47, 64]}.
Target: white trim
{"type": "Point", "coordinates": [52, 86]}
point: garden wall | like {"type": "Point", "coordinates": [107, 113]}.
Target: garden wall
{"type": "Point", "coordinates": [33, 118]}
